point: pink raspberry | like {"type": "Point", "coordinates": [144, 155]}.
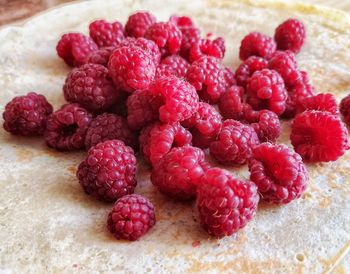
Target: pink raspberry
{"type": "Point", "coordinates": [190, 36]}
{"type": "Point", "coordinates": [225, 204]}
{"type": "Point", "coordinates": [266, 125]}
{"type": "Point", "coordinates": [173, 65]}
{"type": "Point", "coordinates": [100, 56]}
{"type": "Point", "coordinates": [257, 44]}
{"type": "Point", "coordinates": [321, 102]}
{"type": "Point", "coordinates": [138, 23]}
{"type": "Point", "coordinates": [27, 115]}
{"type": "Point", "coordinates": [278, 172]}
{"type": "Point", "coordinates": [290, 35]}
{"type": "Point", "coordinates": [230, 104]}
{"type": "Point", "coordinates": [345, 108]}
{"type": "Point", "coordinates": [207, 47]}
{"type": "Point", "coordinates": [106, 34]}
{"type": "Point", "coordinates": [181, 21]}
{"type": "Point", "coordinates": [248, 67]}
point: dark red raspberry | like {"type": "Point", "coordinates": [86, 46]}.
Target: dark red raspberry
{"type": "Point", "coordinates": [131, 68]}
{"type": "Point", "coordinates": [138, 23]}
{"type": "Point", "coordinates": [345, 108]}
{"type": "Point", "coordinates": [319, 136]}
{"type": "Point", "coordinates": [167, 36]}
{"type": "Point", "coordinates": [173, 65]}
{"type": "Point", "coordinates": [230, 104]}
{"type": "Point", "coordinates": [248, 67]}
{"type": "Point", "coordinates": [74, 48]}
{"type": "Point", "coordinates": [108, 126]}
{"type": "Point", "coordinates": [177, 173]}
{"type": "Point", "coordinates": [132, 216]}
{"type": "Point", "coordinates": [225, 203]}
{"type": "Point", "coordinates": [190, 36]}
{"type": "Point", "coordinates": [321, 102]}
{"type": "Point", "coordinates": [27, 114]}
{"type": "Point", "coordinates": [278, 172]}
{"type": "Point", "coordinates": [207, 75]}
{"type": "Point", "coordinates": [180, 99]}
{"type": "Point", "coordinates": [257, 44]}
{"type": "Point", "coordinates": [234, 143]}
{"type": "Point", "coordinates": [66, 128]}
{"type": "Point", "coordinates": [207, 47]}
{"type": "Point", "coordinates": [108, 171]}
{"type": "Point", "coordinates": [181, 21]}
{"type": "Point", "coordinates": [119, 107]}
{"type": "Point", "coordinates": [106, 34]}
{"type": "Point", "coordinates": [229, 77]}
{"type": "Point", "coordinates": [290, 35]}
{"type": "Point", "coordinates": [267, 126]}
{"type": "Point", "coordinates": [91, 87]}
{"type": "Point", "coordinates": [100, 56]}
{"type": "Point", "coordinates": [266, 90]}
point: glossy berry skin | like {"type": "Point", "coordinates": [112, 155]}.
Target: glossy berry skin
{"type": "Point", "coordinates": [173, 65]}
{"type": "Point", "coordinates": [230, 104]}
{"type": "Point", "coordinates": [257, 44]}
{"type": "Point", "coordinates": [345, 108]}
{"type": "Point", "coordinates": [100, 56]}
{"type": "Point", "coordinates": [278, 172]}
{"type": "Point", "coordinates": [108, 171]}
{"type": "Point", "coordinates": [138, 23]}
{"type": "Point", "coordinates": [106, 34]}
{"type": "Point", "coordinates": [190, 36]}
{"type": "Point", "coordinates": [207, 47]}
{"type": "Point", "coordinates": [290, 35]}
{"type": "Point", "coordinates": [131, 217]}
{"type": "Point", "coordinates": [322, 102]}
{"type": "Point", "coordinates": [27, 115]}
{"type": "Point", "coordinates": [248, 67]}
{"type": "Point", "coordinates": [319, 136]}
{"type": "Point", "coordinates": [225, 203]}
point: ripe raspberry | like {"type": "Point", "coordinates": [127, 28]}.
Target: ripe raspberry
{"type": "Point", "coordinates": [138, 23]}
{"type": "Point", "coordinates": [91, 87]}
{"type": "Point", "coordinates": [230, 104]}
{"type": "Point", "coordinates": [66, 127]}
{"type": "Point", "coordinates": [257, 44]}
{"type": "Point", "coordinates": [177, 173]}
{"type": "Point", "coordinates": [26, 115]}
{"type": "Point", "coordinates": [290, 35]}
{"type": "Point", "coordinates": [321, 102]}
{"type": "Point", "coordinates": [74, 48]}
{"type": "Point", "coordinates": [106, 34]}
{"type": "Point", "coordinates": [225, 204]}
{"type": "Point", "coordinates": [266, 90]}
{"type": "Point", "coordinates": [345, 108]}
{"type": "Point", "coordinates": [207, 47]}
{"type": "Point", "coordinates": [100, 56]}
{"type": "Point", "coordinates": [267, 126]}
{"type": "Point", "coordinates": [132, 216]}
{"type": "Point", "coordinates": [229, 77]}
{"type": "Point", "coordinates": [180, 99]}
{"type": "Point", "coordinates": [181, 21]}
{"type": "Point", "coordinates": [234, 143]}
{"type": "Point", "coordinates": [278, 172]}
{"type": "Point", "coordinates": [248, 67]}
{"type": "Point", "coordinates": [131, 68]}
{"type": "Point", "coordinates": [319, 136]}
{"type": "Point", "coordinates": [207, 75]}
{"type": "Point", "coordinates": [190, 36]}
{"type": "Point", "coordinates": [173, 65]}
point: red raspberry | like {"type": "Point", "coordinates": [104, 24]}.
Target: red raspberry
{"type": "Point", "coordinates": [230, 104]}
{"type": "Point", "coordinates": [66, 127]}
{"type": "Point", "coordinates": [207, 47]}
{"type": "Point", "coordinates": [131, 217]}
{"type": "Point", "coordinates": [167, 36]}
{"type": "Point", "coordinates": [120, 108]}
{"type": "Point", "coordinates": [177, 173]}
{"type": "Point", "coordinates": [278, 172]}
{"type": "Point", "coordinates": [106, 34]}
{"type": "Point", "coordinates": [190, 36]}
{"type": "Point", "coordinates": [229, 77]}
{"type": "Point", "coordinates": [156, 140]}
{"type": "Point", "coordinates": [108, 126]}
{"type": "Point", "coordinates": [27, 114]}
{"type": "Point", "coordinates": [345, 108]}
{"type": "Point", "coordinates": [267, 126]}
{"type": "Point", "coordinates": [108, 171]}
{"type": "Point", "coordinates": [100, 56]}
{"type": "Point", "coordinates": [234, 143]}
{"type": "Point", "coordinates": [173, 65]}
{"type": "Point", "coordinates": [138, 23]}
{"type": "Point", "coordinates": [248, 67]}
{"type": "Point", "coordinates": [290, 35]}
{"type": "Point", "coordinates": [91, 87]}
{"type": "Point", "coordinates": [207, 75]}
{"type": "Point", "coordinates": [181, 21]}
{"type": "Point", "coordinates": [180, 99]}
{"type": "Point", "coordinates": [266, 90]}
{"type": "Point", "coordinates": [319, 136]}
{"type": "Point", "coordinates": [257, 44]}
{"type": "Point", "coordinates": [321, 102]}
{"type": "Point", "coordinates": [74, 48]}
{"type": "Point", "coordinates": [225, 204]}
{"type": "Point", "coordinates": [131, 68]}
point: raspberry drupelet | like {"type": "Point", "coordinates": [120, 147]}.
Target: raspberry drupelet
{"type": "Point", "coordinates": [106, 34]}
{"type": "Point", "coordinates": [190, 36]}
{"type": "Point", "coordinates": [257, 44]}
{"type": "Point", "coordinates": [248, 67]}
{"type": "Point", "coordinates": [229, 76]}
{"type": "Point", "coordinates": [345, 108]}
{"type": "Point", "coordinates": [290, 35]}
{"type": "Point", "coordinates": [100, 56]}
{"type": "Point", "coordinates": [138, 23]}
{"type": "Point", "coordinates": [173, 65]}
{"type": "Point", "coordinates": [207, 47]}
{"type": "Point", "coordinates": [230, 104]}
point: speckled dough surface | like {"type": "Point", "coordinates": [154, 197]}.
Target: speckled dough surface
{"type": "Point", "coordinates": [48, 225]}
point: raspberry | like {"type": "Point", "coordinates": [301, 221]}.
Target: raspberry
{"type": "Point", "coordinates": [190, 36]}
{"type": "Point", "coordinates": [156, 140]}
{"type": "Point", "coordinates": [257, 44]}
{"type": "Point", "coordinates": [167, 36]}
{"type": "Point", "coordinates": [319, 136]}
{"type": "Point", "coordinates": [278, 172]}
{"type": "Point", "coordinates": [248, 67]}
{"type": "Point", "coordinates": [66, 127]}
{"type": "Point", "coordinates": [290, 35]}
{"type": "Point", "coordinates": [138, 23]}
{"type": "Point", "coordinates": [234, 143]}
{"type": "Point", "coordinates": [131, 68]}
{"type": "Point", "coordinates": [207, 75]}
{"type": "Point", "coordinates": [91, 87]}
{"type": "Point", "coordinates": [229, 77]}
{"type": "Point", "coordinates": [26, 115]}
{"type": "Point", "coordinates": [230, 104]}
{"type": "Point", "coordinates": [181, 21]}
{"type": "Point", "coordinates": [225, 204]}
{"type": "Point", "coordinates": [177, 173]}
{"type": "Point", "coordinates": [106, 34]}
{"type": "Point", "coordinates": [74, 48]}
{"type": "Point", "coordinates": [119, 107]}
{"type": "Point", "coordinates": [321, 102]}
{"type": "Point", "coordinates": [108, 126]}
{"type": "Point", "coordinates": [207, 47]}
{"type": "Point", "coordinates": [266, 90]}
{"type": "Point", "coordinates": [180, 99]}
{"type": "Point", "coordinates": [173, 65]}
{"type": "Point", "coordinates": [345, 108]}
{"type": "Point", "coordinates": [131, 217]}
{"type": "Point", "coordinates": [100, 56]}
{"type": "Point", "coordinates": [267, 126]}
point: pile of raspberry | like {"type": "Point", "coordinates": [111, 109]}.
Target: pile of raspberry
{"type": "Point", "coordinates": [159, 90]}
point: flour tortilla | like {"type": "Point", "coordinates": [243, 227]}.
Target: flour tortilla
{"type": "Point", "coordinates": [48, 225]}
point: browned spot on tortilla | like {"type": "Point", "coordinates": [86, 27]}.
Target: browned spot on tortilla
{"type": "Point", "coordinates": [339, 270]}
{"type": "Point", "coordinates": [325, 201]}
{"type": "Point", "coordinates": [72, 169]}
{"type": "Point", "coordinates": [24, 154]}
{"type": "Point", "coordinates": [330, 263]}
